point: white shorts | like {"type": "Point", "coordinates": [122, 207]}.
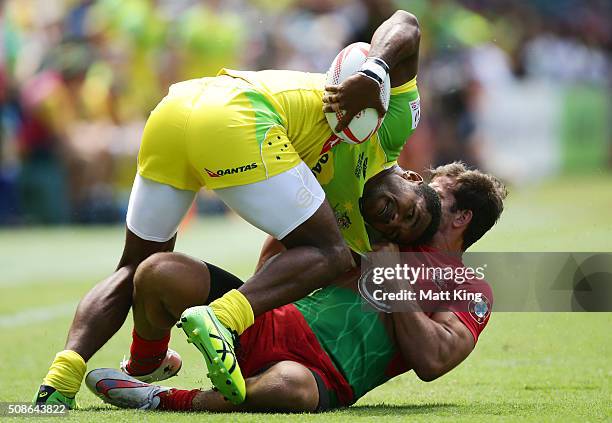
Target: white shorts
{"type": "Point", "coordinates": [277, 205]}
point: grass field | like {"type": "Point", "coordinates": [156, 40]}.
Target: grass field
{"type": "Point", "coordinates": [527, 366]}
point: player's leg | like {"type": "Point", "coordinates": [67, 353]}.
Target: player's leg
{"type": "Point", "coordinates": [165, 285]}
{"type": "Point", "coordinates": [154, 213]}
{"type": "Point", "coordinates": [290, 206]}
{"type": "Point", "coordinates": [286, 386]}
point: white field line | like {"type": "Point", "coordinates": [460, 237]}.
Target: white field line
{"type": "Point", "coordinates": [37, 314]}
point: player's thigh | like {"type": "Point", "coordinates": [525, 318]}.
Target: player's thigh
{"type": "Point", "coordinates": [182, 281]}
{"type": "Point", "coordinates": [173, 279]}
{"type": "Point", "coordinates": [283, 203]}
{"type": "Point", "coordinates": [155, 210]}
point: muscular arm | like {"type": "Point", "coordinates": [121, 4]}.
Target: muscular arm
{"type": "Point", "coordinates": [434, 345]}
{"type": "Point", "coordinates": [396, 41]}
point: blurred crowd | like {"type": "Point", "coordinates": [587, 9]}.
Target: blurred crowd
{"type": "Point", "coordinates": [79, 77]}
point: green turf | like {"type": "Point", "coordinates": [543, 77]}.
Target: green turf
{"type": "Point", "coordinates": [527, 366]}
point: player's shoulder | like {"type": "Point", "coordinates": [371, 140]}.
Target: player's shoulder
{"type": "Point", "coordinates": [472, 278]}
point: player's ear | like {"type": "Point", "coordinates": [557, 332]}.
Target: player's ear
{"type": "Point", "coordinates": [462, 218]}
{"type": "Point", "coordinates": [409, 175]}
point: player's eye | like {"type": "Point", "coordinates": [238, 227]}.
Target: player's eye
{"type": "Point", "coordinates": [410, 214]}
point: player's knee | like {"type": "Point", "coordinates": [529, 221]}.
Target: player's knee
{"type": "Point", "coordinates": [152, 272]}
{"type": "Point", "coordinates": [297, 385]}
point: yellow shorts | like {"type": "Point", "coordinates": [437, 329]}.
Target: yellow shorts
{"type": "Point", "coordinates": [215, 132]}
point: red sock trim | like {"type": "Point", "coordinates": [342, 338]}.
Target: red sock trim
{"type": "Point", "coordinates": [177, 399]}
{"type": "Point", "coordinates": [146, 355]}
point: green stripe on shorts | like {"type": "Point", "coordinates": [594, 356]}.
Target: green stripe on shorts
{"type": "Point", "coordinates": [265, 115]}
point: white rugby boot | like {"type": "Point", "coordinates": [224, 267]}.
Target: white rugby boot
{"type": "Point", "coordinates": [116, 388]}
{"type": "Point", "coordinates": [169, 367]}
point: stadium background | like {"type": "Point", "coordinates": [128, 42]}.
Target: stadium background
{"type": "Point", "coordinates": [521, 89]}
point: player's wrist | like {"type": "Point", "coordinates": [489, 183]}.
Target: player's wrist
{"type": "Point", "coordinates": [371, 77]}
{"type": "Point", "coordinates": [375, 68]}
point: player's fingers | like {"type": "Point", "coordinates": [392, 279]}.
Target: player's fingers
{"type": "Point", "coordinates": [332, 88]}
{"type": "Point", "coordinates": [331, 107]}
{"type": "Point", "coordinates": [345, 120]}
{"type": "Point", "coordinates": [380, 108]}
{"type": "Point", "coordinates": [330, 98]}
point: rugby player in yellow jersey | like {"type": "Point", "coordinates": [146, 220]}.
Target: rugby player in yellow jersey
{"type": "Point", "coordinates": [252, 138]}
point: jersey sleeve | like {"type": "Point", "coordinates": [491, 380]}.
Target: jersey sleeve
{"type": "Point", "coordinates": [474, 315]}
{"type": "Point", "coordinates": [401, 119]}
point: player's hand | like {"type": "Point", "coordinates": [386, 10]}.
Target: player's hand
{"type": "Point", "coordinates": [355, 93]}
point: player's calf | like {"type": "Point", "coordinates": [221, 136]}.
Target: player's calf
{"type": "Point", "coordinates": [164, 286]}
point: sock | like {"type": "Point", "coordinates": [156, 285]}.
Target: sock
{"type": "Point", "coordinates": [145, 355]}
{"type": "Point", "coordinates": [177, 399]}
{"type": "Point", "coordinates": [66, 373]}
{"type": "Point", "coordinates": [233, 311]}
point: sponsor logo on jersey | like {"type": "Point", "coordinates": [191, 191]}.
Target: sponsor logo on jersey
{"type": "Point", "coordinates": [231, 170]}
{"type": "Point", "coordinates": [342, 217]}
{"type": "Point", "coordinates": [480, 310]}
{"type": "Point", "coordinates": [362, 166]}
{"type": "Point", "coordinates": [415, 107]}
{"type": "Point", "coordinates": [319, 166]}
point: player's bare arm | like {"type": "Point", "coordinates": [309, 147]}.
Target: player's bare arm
{"type": "Point", "coordinates": [434, 345]}
{"type": "Point", "coordinates": [396, 46]}
{"type": "Point", "coordinates": [430, 345]}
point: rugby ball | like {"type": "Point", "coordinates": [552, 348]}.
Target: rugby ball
{"type": "Point", "coordinates": [367, 121]}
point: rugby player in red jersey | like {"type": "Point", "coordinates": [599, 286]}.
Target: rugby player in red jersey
{"type": "Point", "coordinates": [302, 357]}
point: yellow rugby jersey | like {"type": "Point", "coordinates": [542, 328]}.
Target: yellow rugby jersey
{"type": "Point", "coordinates": [344, 170]}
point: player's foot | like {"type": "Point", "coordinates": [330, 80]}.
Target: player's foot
{"type": "Point", "coordinates": [168, 368]}
{"type": "Point", "coordinates": [116, 388]}
{"type": "Point", "coordinates": [216, 343]}
{"type": "Point", "coordinates": [49, 395]}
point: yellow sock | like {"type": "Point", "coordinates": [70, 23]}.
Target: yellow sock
{"type": "Point", "coordinates": [66, 373]}
{"type": "Point", "coordinates": [233, 311]}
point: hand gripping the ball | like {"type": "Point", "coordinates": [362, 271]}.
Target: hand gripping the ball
{"type": "Point", "coordinates": [354, 94]}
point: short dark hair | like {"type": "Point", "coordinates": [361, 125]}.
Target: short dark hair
{"type": "Point", "coordinates": [433, 206]}
{"type": "Point", "coordinates": [474, 190]}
